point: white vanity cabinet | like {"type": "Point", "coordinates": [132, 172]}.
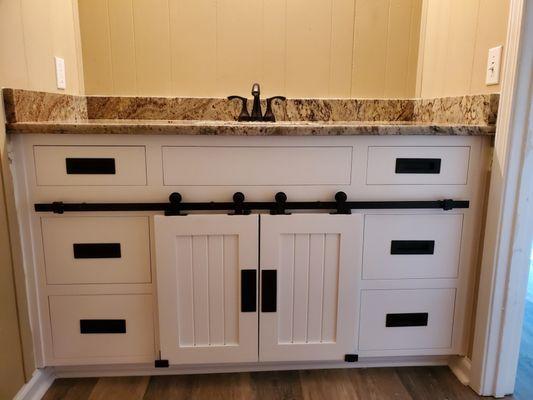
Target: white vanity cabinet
{"type": "Point", "coordinates": [209, 289]}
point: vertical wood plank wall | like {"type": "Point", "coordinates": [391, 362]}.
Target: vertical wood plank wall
{"type": "Point", "coordinates": [32, 32]}
{"type": "Point", "coordinates": [299, 48]}
{"type": "Point", "coordinates": [455, 39]}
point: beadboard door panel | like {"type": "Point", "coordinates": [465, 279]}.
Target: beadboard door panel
{"type": "Point", "coordinates": [204, 265]}
{"type": "Point", "coordinates": [316, 259]}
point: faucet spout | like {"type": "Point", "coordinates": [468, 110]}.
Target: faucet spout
{"type": "Point", "coordinates": [257, 113]}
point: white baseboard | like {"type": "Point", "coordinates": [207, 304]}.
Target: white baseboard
{"type": "Point", "coordinates": [37, 386]}
{"type": "Point", "coordinates": [461, 367]}
{"type": "Point", "coordinates": [145, 369]}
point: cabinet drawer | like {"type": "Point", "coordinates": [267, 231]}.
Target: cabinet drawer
{"type": "Point", "coordinates": [115, 327]}
{"type": "Point", "coordinates": [417, 165]}
{"type": "Point", "coordinates": [411, 246]}
{"type": "Point", "coordinates": [253, 166]}
{"type": "Point", "coordinates": [81, 250]}
{"type": "Point", "coordinates": [406, 319]}
{"type": "Point", "coordinates": [90, 165]}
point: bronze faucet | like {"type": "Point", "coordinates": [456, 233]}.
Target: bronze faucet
{"type": "Point", "coordinates": [257, 113]}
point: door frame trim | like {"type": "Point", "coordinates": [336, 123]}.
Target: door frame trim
{"type": "Point", "coordinates": [506, 246]}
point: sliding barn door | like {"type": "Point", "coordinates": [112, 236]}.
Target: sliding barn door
{"type": "Point", "coordinates": [207, 288]}
{"type": "Point", "coordinates": [310, 269]}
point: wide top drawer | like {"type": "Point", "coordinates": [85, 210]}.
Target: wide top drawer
{"type": "Point", "coordinates": [256, 165]}
{"type": "Point", "coordinates": [417, 165]}
{"type": "Point", "coordinates": [90, 165]}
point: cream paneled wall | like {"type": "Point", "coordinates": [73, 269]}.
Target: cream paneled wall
{"type": "Point", "coordinates": [299, 48]}
{"type": "Point", "coordinates": [32, 32]}
{"type": "Point", "coordinates": [455, 38]}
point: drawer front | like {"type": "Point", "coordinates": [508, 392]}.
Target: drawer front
{"type": "Point", "coordinates": [417, 165]}
{"type": "Point", "coordinates": [406, 319]}
{"type": "Point", "coordinates": [80, 250]}
{"type": "Point", "coordinates": [253, 166]}
{"type": "Point", "coordinates": [103, 326]}
{"type": "Point", "coordinates": [412, 246]}
{"type": "Point", "coordinates": [90, 165]}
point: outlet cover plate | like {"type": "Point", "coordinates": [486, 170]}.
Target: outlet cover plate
{"type": "Point", "coordinates": [493, 66]}
{"type": "Point", "coordinates": [60, 73]}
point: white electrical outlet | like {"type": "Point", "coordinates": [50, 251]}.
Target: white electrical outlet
{"type": "Point", "coordinates": [493, 66]}
{"type": "Point", "coordinates": [60, 73]}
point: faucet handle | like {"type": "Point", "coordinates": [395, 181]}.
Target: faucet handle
{"type": "Point", "coordinates": [269, 114]}
{"type": "Point", "coordinates": [244, 115]}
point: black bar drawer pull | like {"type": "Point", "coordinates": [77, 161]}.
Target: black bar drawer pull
{"type": "Point", "coordinates": [90, 166]}
{"type": "Point", "coordinates": [402, 320]}
{"type": "Point", "coordinates": [269, 288]}
{"type": "Point", "coordinates": [97, 250]}
{"type": "Point", "coordinates": [412, 247]}
{"type": "Point", "coordinates": [94, 326]}
{"type": "Point", "coordinates": [248, 290]}
{"type": "Point", "coordinates": [418, 165]}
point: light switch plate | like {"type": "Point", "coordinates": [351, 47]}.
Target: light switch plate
{"type": "Point", "coordinates": [493, 66]}
{"type": "Point", "coordinates": [60, 73]}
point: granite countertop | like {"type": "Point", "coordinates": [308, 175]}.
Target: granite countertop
{"type": "Point", "coordinates": [233, 128]}
{"type": "Point", "coordinates": [52, 113]}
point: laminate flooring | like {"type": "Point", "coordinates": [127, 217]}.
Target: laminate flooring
{"type": "Point", "coordinates": [408, 383]}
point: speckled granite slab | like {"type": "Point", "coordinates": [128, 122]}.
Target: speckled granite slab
{"type": "Point", "coordinates": [37, 112]}
{"type": "Point", "coordinates": [26, 105]}
{"type": "Point", "coordinates": [233, 128]}
{"type": "Point", "coordinates": [478, 109]}
{"type": "Point", "coordinates": [159, 108]}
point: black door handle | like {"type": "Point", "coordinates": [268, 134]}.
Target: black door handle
{"type": "Point", "coordinates": [248, 290]}
{"type": "Point", "coordinates": [269, 286]}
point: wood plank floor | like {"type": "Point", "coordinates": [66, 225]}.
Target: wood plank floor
{"type": "Point", "coordinates": [412, 383]}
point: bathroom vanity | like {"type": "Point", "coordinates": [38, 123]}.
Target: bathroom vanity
{"type": "Point", "coordinates": [209, 290]}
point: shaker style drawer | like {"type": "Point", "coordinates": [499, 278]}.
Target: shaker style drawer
{"type": "Point", "coordinates": [253, 166]}
{"type": "Point", "coordinates": [115, 327]}
{"type": "Point", "coordinates": [90, 165]}
{"type": "Point", "coordinates": [411, 246]}
{"type": "Point", "coordinates": [417, 165]}
{"type": "Point", "coordinates": [406, 319]}
{"type": "Point", "coordinates": [79, 250]}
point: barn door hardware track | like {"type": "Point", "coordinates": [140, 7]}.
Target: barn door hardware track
{"type": "Point", "coordinates": [239, 206]}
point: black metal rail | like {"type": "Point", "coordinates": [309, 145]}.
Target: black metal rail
{"type": "Point", "coordinates": [240, 207]}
